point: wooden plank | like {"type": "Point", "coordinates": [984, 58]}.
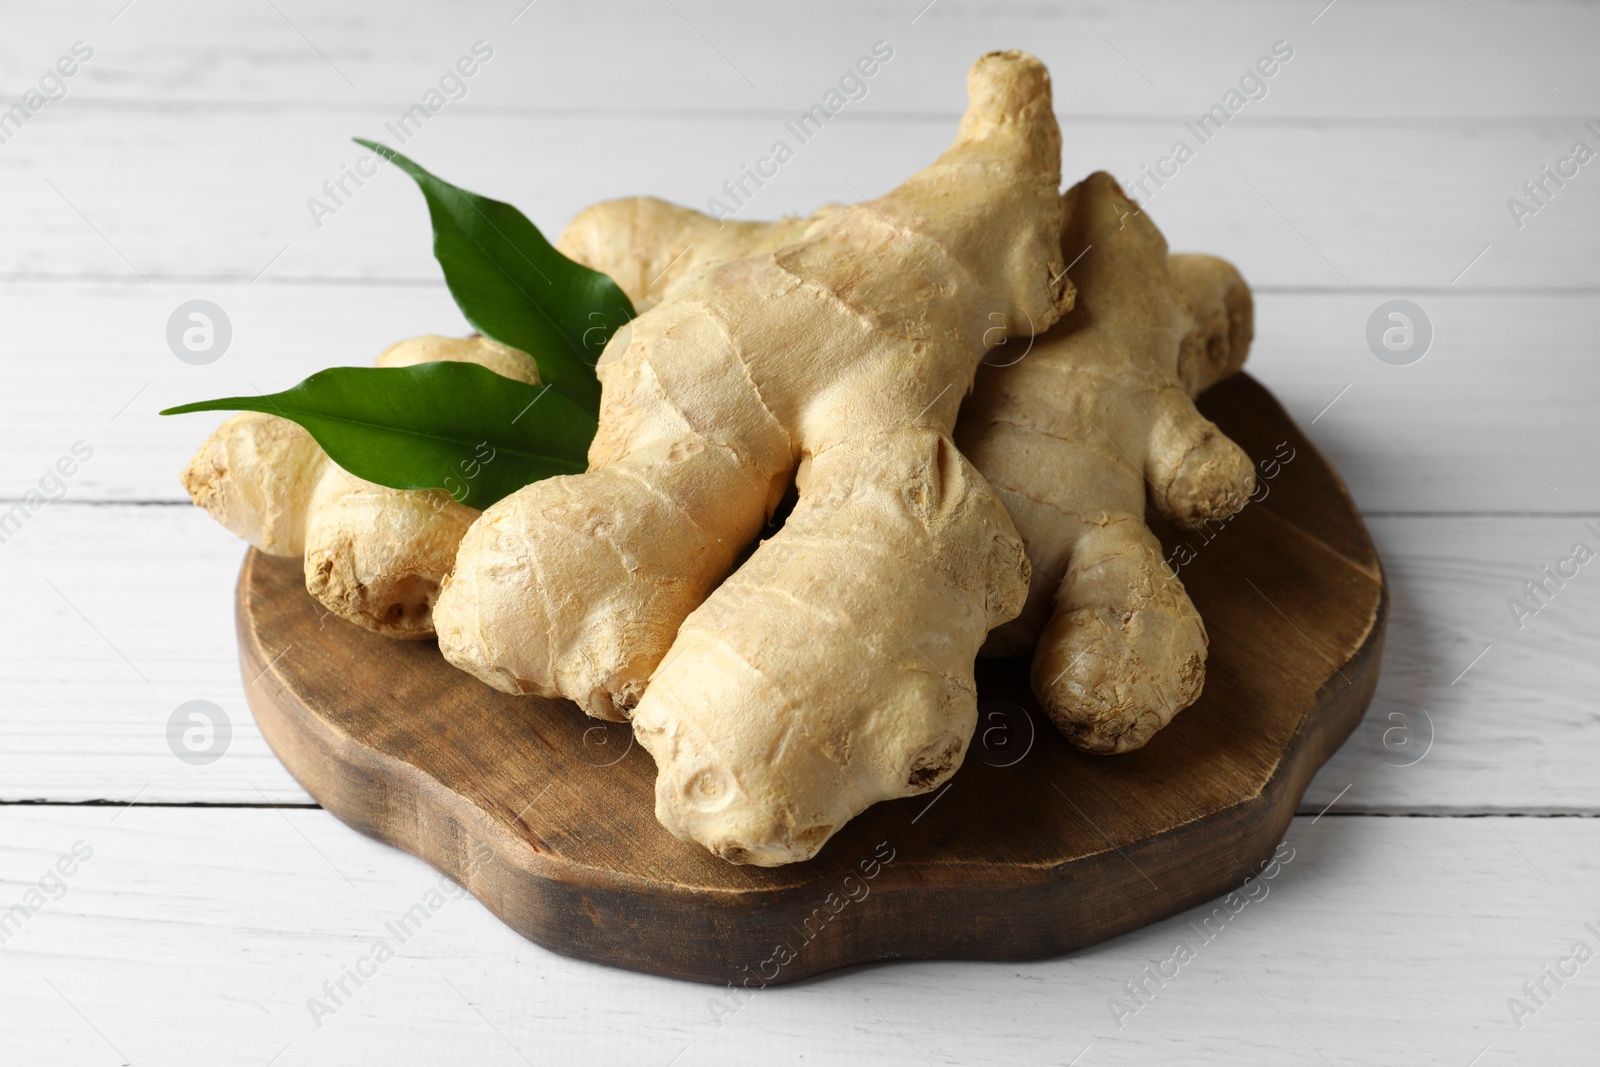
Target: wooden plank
{"type": "Point", "coordinates": [1502, 397]}
{"type": "Point", "coordinates": [1475, 697]}
{"type": "Point", "coordinates": [198, 937]}
{"type": "Point", "coordinates": [1168, 57]}
{"type": "Point", "coordinates": [130, 615]}
{"type": "Point", "coordinates": [1493, 419]}
{"type": "Point", "coordinates": [1516, 733]}
{"type": "Point", "coordinates": [1302, 203]}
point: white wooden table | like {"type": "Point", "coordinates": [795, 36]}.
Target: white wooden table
{"type": "Point", "coordinates": [1444, 858]}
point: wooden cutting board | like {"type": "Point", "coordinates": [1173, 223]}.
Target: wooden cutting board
{"type": "Point", "coordinates": [1032, 849]}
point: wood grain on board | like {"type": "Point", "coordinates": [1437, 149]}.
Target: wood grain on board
{"type": "Point", "coordinates": [1034, 848]}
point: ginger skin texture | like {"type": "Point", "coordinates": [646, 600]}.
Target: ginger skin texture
{"type": "Point", "coordinates": [1068, 460]}
{"type": "Point", "coordinates": [373, 555]}
{"type": "Point", "coordinates": [1076, 437]}
{"type": "Point", "coordinates": [833, 669]}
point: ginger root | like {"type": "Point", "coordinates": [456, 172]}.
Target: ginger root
{"type": "Point", "coordinates": [1076, 436]}
{"type": "Point", "coordinates": [373, 555]}
{"type": "Point", "coordinates": [1065, 435]}
{"type": "Point", "coordinates": [834, 668]}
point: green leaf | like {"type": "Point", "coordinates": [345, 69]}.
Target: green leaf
{"type": "Point", "coordinates": [446, 425]}
{"type": "Point", "coordinates": [515, 287]}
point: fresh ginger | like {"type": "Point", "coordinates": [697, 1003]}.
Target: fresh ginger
{"type": "Point", "coordinates": [373, 555]}
{"type": "Point", "coordinates": [1119, 662]}
{"type": "Point", "coordinates": [834, 668]}
{"type": "Point", "coordinates": [1076, 436]}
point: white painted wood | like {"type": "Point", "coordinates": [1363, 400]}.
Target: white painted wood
{"type": "Point", "coordinates": [1517, 732]}
{"type": "Point", "coordinates": [208, 194]}
{"type": "Point", "coordinates": [1378, 165]}
{"type": "Point", "coordinates": [1503, 396]}
{"type": "Point", "coordinates": [1359, 57]}
{"type": "Point", "coordinates": [1496, 417]}
{"type": "Point", "coordinates": [197, 937]}
{"type": "Point", "coordinates": [129, 613]}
